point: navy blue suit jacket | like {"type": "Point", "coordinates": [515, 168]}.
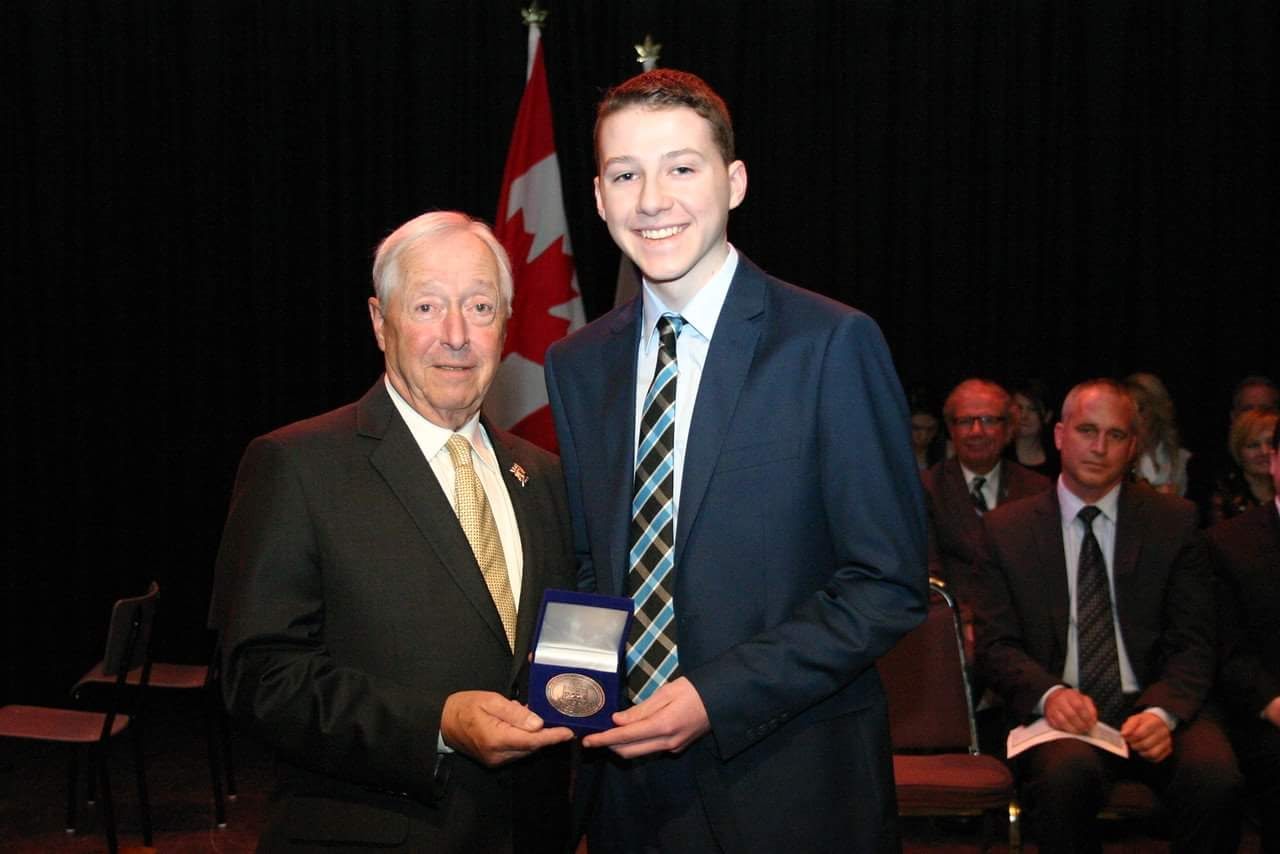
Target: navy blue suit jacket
{"type": "Point", "coordinates": [800, 552]}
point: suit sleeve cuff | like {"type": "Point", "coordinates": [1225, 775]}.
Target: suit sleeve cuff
{"type": "Point", "coordinates": [1171, 721]}
{"type": "Point", "coordinates": [1045, 697]}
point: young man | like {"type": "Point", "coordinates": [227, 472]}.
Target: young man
{"type": "Point", "coordinates": [737, 457]}
{"type": "Point", "coordinates": [1093, 604]}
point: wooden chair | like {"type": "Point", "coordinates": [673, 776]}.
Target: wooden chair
{"type": "Point", "coordinates": [937, 767]}
{"type": "Point", "coordinates": [203, 678]}
{"type": "Point", "coordinates": [128, 648]}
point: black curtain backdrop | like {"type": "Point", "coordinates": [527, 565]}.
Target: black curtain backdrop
{"type": "Point", "coordinates": [193, 190]}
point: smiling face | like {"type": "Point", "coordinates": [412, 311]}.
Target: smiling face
{"type": "Point", "coordinates": [442, 327]}
{"type": "Point", "coordinates": [978, 417]}
{"type": "Point", "coordinates": [1255, 453]}
{"type": "Point", "coordinates": [1097, 440]}
{"type": "Point", "coordinates": [1275, 466]}
{"type": "Point", "coordinates": [665, 193]}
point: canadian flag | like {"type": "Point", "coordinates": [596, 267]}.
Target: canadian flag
{"type": "Point", "coordinates": [531, 225]}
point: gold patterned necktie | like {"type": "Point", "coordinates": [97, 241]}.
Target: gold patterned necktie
{"type": "Point", "coordinates": [482, 532]}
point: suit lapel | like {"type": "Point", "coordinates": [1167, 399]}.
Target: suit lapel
{"type": "Point", "coordinates": [398, 459]}
{"type": "Point", "coordinates": [1052, 561]}
{"type": "Point", "coordinates": [1131, 527]}
{"type": "Point", "coordinates": [958, 490]}
{"type": "Point", "coordinates": [723, 374]}
{"type": "Point", "coordinates": [616, 471]}
{"type": "Point", "coordinates": [531, 545]}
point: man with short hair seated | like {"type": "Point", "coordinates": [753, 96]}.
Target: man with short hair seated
{"type": "Point", "coordinates": [1093, 604]}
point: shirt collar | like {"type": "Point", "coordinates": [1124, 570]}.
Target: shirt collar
{"type": "Point", "coordinates": [431, 438]}
{"type": "Point", "coordinates": [1069, 503]}
{"type": "Point", "coordinates": [701, 313]}
{"type": "Point", "coordinates": [992, 476]}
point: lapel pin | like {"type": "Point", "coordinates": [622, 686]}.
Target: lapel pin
{"type": "Point", "coordinates": [518, 470]}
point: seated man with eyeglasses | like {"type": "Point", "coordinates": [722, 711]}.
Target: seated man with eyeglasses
{"type": "Point", "coordinates": [980, 416]}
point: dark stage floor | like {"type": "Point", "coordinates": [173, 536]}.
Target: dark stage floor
{"type": "Point", "coordinates": [33, 780]}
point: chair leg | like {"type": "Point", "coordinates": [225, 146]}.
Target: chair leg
{"type": "Point", "coordinates": [73, 781]}
{"type": "Point", "coordinates": [140, 768]}
{"type": "Point", "coordinates": [224, 723]}
{"type": "Point", "coordinates": [91, 777]}
{"type": "Point", "coordinates": [212, 742]}
{"type": "Point", "coordinates": [108, 807]}
{"type": "Point", "coordinates": [1015, 827]}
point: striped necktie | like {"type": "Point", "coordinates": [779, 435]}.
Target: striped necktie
{"type": "Point", "coordinates": [1095, 629]}
{"type": "Point", "coordinates": [975, 494]}
{"type": "Point", "coordinates": [652, 659]}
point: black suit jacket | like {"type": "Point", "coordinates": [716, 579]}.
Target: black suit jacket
{"type": "Point", "coordinates": [1162, 590]}
{"type": "Point", "coordinates": [799, 555]}
{"type": "Point", "coordinates": [1246, 553]}
{"type": "Point", "coordinates": [955, 528]}
{"type": "Point", "coordinates": [353, 606]}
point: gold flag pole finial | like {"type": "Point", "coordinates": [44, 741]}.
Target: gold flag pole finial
{"type": "Point", "coordinates": [648, 52]}
{"type": "Point", "coordinates": [534, 16]}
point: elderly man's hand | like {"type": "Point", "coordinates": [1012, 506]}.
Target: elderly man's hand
{"type": "Point", "coordinates": [493, 729]}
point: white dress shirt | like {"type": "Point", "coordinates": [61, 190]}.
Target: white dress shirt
{"type": "Point", "coordinates": [431, 439]}
{"type": "Point", "coordinates": [700, 315]}
{"type": "Point", "coordinates": [990, 484]}
{"type": "Point", "coordinates": [1104, 530]}
{"type": "Point", "coordinates": [1161, 467]}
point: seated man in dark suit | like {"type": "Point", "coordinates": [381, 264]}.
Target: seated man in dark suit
{"type": "Point", "coordinates": [380, 575]}
{"type": "Point", "coordinates": [1093, 604]}
{"type": "Point", "coordinates": [1246, 552]}
{"type": "Point", "coordinates": [980, 416]}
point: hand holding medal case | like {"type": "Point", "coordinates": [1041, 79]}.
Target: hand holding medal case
{"type": "Point", "coordinates": [575, 678]}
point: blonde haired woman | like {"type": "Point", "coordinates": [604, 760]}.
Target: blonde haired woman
{"type": "Point", "coordinates": [1163, 461]}
{"type": "Point", "coordinates": [1249, 482]}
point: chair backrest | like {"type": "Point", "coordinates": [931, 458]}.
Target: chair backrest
{"type": "Point", "coordinates": [129, 635]}
{"type": "Point", "coordinates": [927, 686]}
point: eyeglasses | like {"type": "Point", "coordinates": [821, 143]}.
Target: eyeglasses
{"type": "Point", "coordinates": [987, 421]}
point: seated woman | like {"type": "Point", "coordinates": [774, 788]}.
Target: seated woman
{"type": "Point", "coordinates": [927, 439]}
{"type": "Point", "coordinates": [1249, 481]}
{"type": "Point", "coordinates": [1163, 461]}
{"type": "Point", "coordinates": [1032, 444]}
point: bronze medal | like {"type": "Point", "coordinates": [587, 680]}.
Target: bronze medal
{"type": "Point", "coordinates": [575, 695]}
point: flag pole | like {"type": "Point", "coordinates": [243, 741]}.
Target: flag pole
{"type": "Point", "coordinates": [648, 53]}
{"type": "Point", "coordinates": [532, 226]}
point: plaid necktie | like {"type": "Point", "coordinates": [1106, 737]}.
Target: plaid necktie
{"type": "Point", "coordinates": [651, 650]}
{"type": "Point", "coordinates": [975, 493]}
{"type": "Point", "coordinates": [482, 533]}
{"type": "Point", "coordinates": [1095, 630]}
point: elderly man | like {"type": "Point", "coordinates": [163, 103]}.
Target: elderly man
{"type": "Point", "coordinates": [980, 416]}
{"type": "Point", "coordinates": [380, 575]}
{"type": "Point", "coordinates": [1093, 605]}
{"type": "Point", "coordinates": [1246, 553]}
